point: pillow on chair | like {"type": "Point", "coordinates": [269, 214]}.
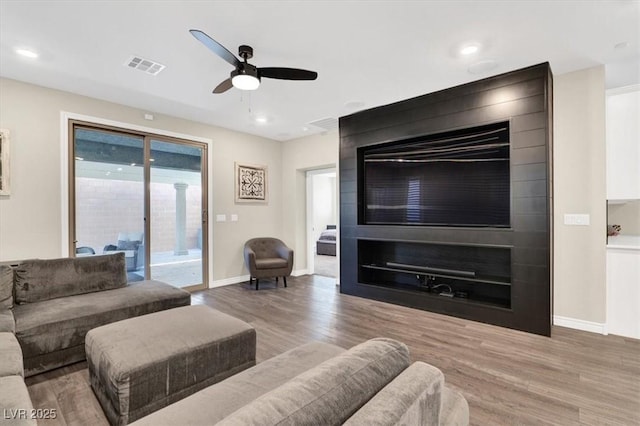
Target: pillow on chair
{"type": "Point", "coordinates": [128, 245]}
{"type": "Point", "coordinates": [129, 241]}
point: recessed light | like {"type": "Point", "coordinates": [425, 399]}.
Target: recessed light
{"type": "Point", "coordinates": [27, 53]}
{"type": "Point", "coordinates": [133, 164]}
{"type": "Point", "coordinates": [152, 159]}
{"type": "Point", "coordinates": [119, 169]}
{"type": "Point", "coordinates": [469, 49]}
{"type": "Point", "coordinates": [261, 119]}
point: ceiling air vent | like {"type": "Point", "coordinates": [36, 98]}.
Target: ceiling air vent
{"type": "Point", "coordinates": [146, 65]}
{"type": "Point", "coordinates": [326, 124]}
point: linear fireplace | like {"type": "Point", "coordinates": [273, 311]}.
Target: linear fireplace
{"type": "Point", "coordinates": [472, 274]}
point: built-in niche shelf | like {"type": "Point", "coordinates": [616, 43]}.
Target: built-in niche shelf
{"type": "Point", "coordinates": [447, 272]}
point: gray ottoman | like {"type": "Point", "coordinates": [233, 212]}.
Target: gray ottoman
{"type": "Point", "coordinates": [142, 364]}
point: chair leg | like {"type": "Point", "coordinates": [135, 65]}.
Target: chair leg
{"type": "Point", "coordinates": [285, 281]}
{"type": "Point", "coordinates": [250, 280]}
{"type": "Point", "coordinates": [257, 282]}
{"type": "Point", "coordinates": [276, 281]}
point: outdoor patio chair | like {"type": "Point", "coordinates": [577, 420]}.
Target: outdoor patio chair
{"type": "Point", "coordinates": [132, 245]}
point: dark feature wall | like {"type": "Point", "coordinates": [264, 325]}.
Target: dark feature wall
{"type": "Point", "coordinates": [524, 99]}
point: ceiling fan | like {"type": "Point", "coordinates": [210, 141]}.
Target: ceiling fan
{"type": "Point", "coordinates": [246, 76]}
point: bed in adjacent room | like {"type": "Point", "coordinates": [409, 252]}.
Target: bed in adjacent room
{"type": "Point", "coordinates": [326, 244]}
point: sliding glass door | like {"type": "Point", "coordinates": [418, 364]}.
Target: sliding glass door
{"type": "Point", "coordinates": [176, 197]}
{"type": "Point", "coordinates": [141, 195]}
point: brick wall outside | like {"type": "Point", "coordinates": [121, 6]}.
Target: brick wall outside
{"type": "Point", "coordinates": [104, 208]}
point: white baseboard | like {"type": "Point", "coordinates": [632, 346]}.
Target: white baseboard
{"type": "Point", "coordinates": [578, 324]}
{"type": "Point", "coordinates": [300, 272]}
{"type": "Point", "coordinates": [245, 278]}
{"type": "Point", "coordinates": [229, 281]}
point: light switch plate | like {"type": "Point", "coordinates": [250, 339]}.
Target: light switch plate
{"type": "Point", "coordinates": [577, 219]}
{"type": "Point", "coordinates": [221, 218]}
{"type": "Point", "coordinates": [234, 218]}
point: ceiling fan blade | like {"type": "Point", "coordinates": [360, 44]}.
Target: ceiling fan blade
{"type": "Point", "coordinates": [216, 47]}
{"type": "Point", "coordinates": [287, 73]}
{"type": "Point", "coordinates": [223, 87]}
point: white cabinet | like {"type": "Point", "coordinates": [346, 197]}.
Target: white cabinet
{"type": "Point", "coordinates": [623, 143]}
{"type": "Point", "coordinates": [623, 290]}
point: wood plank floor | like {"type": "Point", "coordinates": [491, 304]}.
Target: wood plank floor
{"type": "Point", "coordinates": [508, 377]}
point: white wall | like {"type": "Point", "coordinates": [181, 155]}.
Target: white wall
{"type": "Point", "coordinates": [298, 156]}
{"type": "Point", "coordinates": [580, 187]}
{"type": "Point", "coordinates": [31, 218]}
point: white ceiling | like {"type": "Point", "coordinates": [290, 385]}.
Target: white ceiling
{"type": "Point", "coordinates": [368, 52]}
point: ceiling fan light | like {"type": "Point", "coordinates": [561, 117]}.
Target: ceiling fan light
{"type": "Point", "coordinates": [245, 82]}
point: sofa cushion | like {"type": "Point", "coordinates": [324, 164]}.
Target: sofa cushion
{"type": "Point", "coordinates": [242, 388]}
{"type": "Point", "coordinates": [412, 398]}
{"type": "Point", "coordinates": [11, 356]}
{"type": "Point", "coordinates": [6, 287]}
{"type": "Point", "coordinates": [14, 397]}
{"type": "Point", "coordinates": [331, 392]}
{"type": "Point", "coordinates": [130, 236]}
{"type": "Point", "coordinates": [128, 245]}
{"type": "Point", "coordinates": [52, 325]}
{"type": "Point", "coordinates": [40, 279]}
{"type": "Point", "coordinates": [265, 247]}
{"type": "Point", "coordinates": [271, 263]}
{"type": "Point", "coordinates": [454, 408]}
{"type": "Point", "coordinates": [7, 323]}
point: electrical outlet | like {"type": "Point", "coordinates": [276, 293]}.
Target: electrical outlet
{"type": "Point", "coordinates": [577, 219]}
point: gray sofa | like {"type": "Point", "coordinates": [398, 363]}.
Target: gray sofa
{"type": "Point", "coordinates": [14, 395]}
{"type": "Point", "coordinates": [48, 306]}
{"type": "Point", "coordinates": [57, 301]}
{"type": "Point", "coordinates": [373, 383]}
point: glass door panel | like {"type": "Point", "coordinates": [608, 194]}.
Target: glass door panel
{"type": "Point", "coordinates": [178, 231]}
{"type": "Point", "coordinates": [109, 196]}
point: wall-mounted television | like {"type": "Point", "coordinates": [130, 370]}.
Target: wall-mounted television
{"type": "Point", "coordinates": [457, 178]}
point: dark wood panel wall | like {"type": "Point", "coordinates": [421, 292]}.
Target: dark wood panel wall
{"type": "Point", "coordinates": [523, 98]}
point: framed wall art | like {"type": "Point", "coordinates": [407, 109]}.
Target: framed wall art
{"type": "Point", "coordinates": [5, 174]}
{"type": "Point", "coordinates": [251, 183]}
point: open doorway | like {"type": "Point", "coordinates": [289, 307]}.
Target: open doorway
{"type": "Point", "coordinates": [322, 222]}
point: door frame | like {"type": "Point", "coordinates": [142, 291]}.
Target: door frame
{"type": "Point", "coordinates": [67, 119]}
{"type": "Point", "coordinates": [309, 238]}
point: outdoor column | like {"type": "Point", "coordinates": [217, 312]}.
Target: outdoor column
{"type": "Point", "coordinates": [181, 219]}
